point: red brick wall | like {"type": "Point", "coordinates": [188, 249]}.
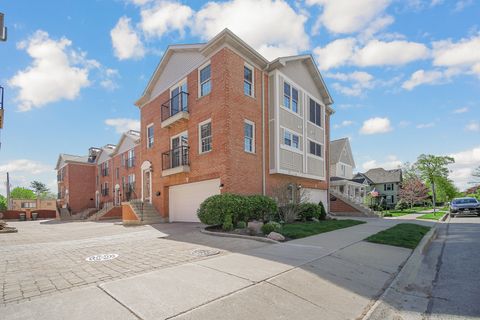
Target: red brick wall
{"type": "Point", "coordinates": [114, 213]}
{"type": "Point", "coordinates": [80, 182]}
{"type": "Point", "coordinates": [11, 214]}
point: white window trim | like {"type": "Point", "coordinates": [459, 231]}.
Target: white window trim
{"type": "Point", "coordinates": [314, 155]}
{"type": "Point", "coordinates": [292, 86]}
{"type": "Point", "coordinates": [252, 95]}
{"type": "Point", "coordinates": [200, 136]}
{"type": "Point", "coordinates": [291, 148]}
{"type": "Point", "coordinates": [253, 135]}
{"type": "Point", "coordinates": [322, 112]}
{"type": "Point", "coordinates": [177, 85]}
{"type": "Point", "coordinates": [148, 126]}
{"type": "Point", "coordinates": [183, 133]}
{"type": "Point", "coordinates": [199, 85]}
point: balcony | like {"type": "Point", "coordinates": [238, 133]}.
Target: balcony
{"type": "Point", "coordinates": [104, 192]}
{"type": "Point", "coordinates": [59, 178]}
{"type": "Point", "coordinates": [104, 172]}
{"type": "Point", "coordinates": [175, 109]}
{"type": "Point", "coordinates": [175, 161]}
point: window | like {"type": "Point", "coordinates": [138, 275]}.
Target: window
{"type": "Point", "coordinates": [291, 140]}
{"type": "Point", "coordinates": [343, 168]}
{"type": "Point", "coordinates": [28, 205]}
{"type": "Point", "coordinates": [388, 187]}
{"type": "Point", "coordinates": [123, 183]}
{"type": "Point", "coordinates": [315, 113]}
{"type": "Point", "coordinates": [123, 159]}
{"type": "Point", "coordinates": [131, 158]}
{"type": "Point", "coordinates": [131, 181]}
{"type": "Point", "coordinates": [248, 81]}
{"type": "Point", "coordinates": [316, 149]}
{"type": "Point", "coordinates": [249, 136]}
{"type": "Point", "coordinates": [205, 136]}
{"type": "Point", "coordinates": [117, 173]}
{"type": "Point", "coordinates": [205, 81]}
{"type": "Point", "coordinates": [150, 136]}
{"type": "Point", "coordinates": [104, 168]}
{"type": "Point", "coordinates": [290, 97]}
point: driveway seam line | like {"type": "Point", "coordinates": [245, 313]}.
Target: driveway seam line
{"type": "Point", "coordinates": [120, 303]}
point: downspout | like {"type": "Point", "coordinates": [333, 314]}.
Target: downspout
{"type": "Point", "coordinates": [264, 191]}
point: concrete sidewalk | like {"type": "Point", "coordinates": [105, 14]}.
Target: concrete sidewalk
{"type": "Point", "coordinates": [335, 275]}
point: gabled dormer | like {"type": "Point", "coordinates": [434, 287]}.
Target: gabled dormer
{"type": "Point", "coordinates": [341, 159]}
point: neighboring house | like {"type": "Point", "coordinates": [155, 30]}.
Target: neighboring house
{"type": "Point", "coordinates": [215, 118]}
{"type": "Point", "coordinates": [106, 175]}
{"type": "Point", "coordinates": [218, 117]}
{"type": "Point", "coordinates": [386, 182]}
{"type": "Point", "coordinates": [342, 165]}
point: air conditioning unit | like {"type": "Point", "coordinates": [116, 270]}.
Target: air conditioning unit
{"type": "Point", "coordinates": [3, 29]}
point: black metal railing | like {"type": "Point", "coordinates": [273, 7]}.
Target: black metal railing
{"type": "Point", "coordinates": [178, 103]}
{"type": "Point", "coordinates": [175, 157]}
{"type": "Point", "coordinates": [104, 192]}
{"type": "Point", "coordinates": [130, 195]}
{"type": "Point", "coordinates": [59, 177]}
{"type": "Point", "coordinates": [130, 162]}
{"type": "Point", "coordinates": [104, 172]}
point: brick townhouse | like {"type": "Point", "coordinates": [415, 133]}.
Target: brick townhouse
{"type": "Point", "coordinates": [217, 117]}
{"type": "Point", "coordinates": [106, 175]}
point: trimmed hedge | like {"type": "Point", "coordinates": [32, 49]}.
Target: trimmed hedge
{"type": "Point", "coordinates": [309, 211]}
{"type": "Point", "coordinates": [228, 210]}
{"type": "Point", "coordinates": [271, 226]}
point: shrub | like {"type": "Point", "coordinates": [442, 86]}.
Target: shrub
{"type": "Point", "coordinates": [214, 210]}
{"type": "Point", "coordinates": [289, 213]}
{"type": "Point", "coordinates": [323, 212]}
{"type": "Point", "coordinates": [271, 226]}
{"type": "Point", "coordinates": [308, 211]}
{"type": "Point", "coordinates": [241, 225]}
{"type": "Point", "coordinates": [388, 215]}
{"type": "Point", "coordinates": [261, 208]}
{"type": "Point", "coordinates": [227, 223]}
{"type": "Point", "coordinates": [401, 205]}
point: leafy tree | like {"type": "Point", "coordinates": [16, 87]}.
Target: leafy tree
{"type": "Point", "coordinates": [3, 203]}
{"type": "Point", "coordinates": [22, 193]}
{"type": "Point", "coordinates": [39, 187]}
{"type": "Point", "coordinates": [413, 190]}
{"type": "Point", "coordinates": [431, 168]}
{"type": "Point", "coordinates": [409, 171]}
{"type": "Point", "coordinates": [446, 190]}
{"type": "Point", "coordinates": [47, 195]}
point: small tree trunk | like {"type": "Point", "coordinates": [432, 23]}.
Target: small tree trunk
{"type": "Point", "coordinates": [434, 196]}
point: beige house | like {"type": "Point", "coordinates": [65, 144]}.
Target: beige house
{"type": "Point", "coordinates": [342, 181]}
{"type": "Point", "coordinates": [33, 204]}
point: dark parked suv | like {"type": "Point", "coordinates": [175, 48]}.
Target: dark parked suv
{"type": "Point", "coordinates": [464, 206]}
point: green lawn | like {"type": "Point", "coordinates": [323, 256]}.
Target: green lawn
{"type": "Point", "coordinates": [305, 229]}
{"type": "Point", "coordinates": [406, 235]}
{"type": "Point", "coordinates": [432, 216]}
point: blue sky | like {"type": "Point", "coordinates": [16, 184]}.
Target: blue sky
{"type": "Point", "coordinates": [404, 75]}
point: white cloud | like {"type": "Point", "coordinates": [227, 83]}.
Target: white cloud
{"type": "Point", "coordinates": [463, 55]}
{"type": "Point", "coordinates": [26, 166]}
{"type": "Point", "coordinates": [392, 162]}
{"type": "Point", "coordinates": [425, 125]}
{"type": "Point", "coordinates": [123, 124]}
{"type": "Point", "coordinates": [335, 54]}
{"type": "Point", "coordinates": [343, 124]}
{"type": "Point", "coordinates": [125, 41]}
{"type": "Point", "coordinates": [164, 17]}
{"type": "Point", "coordinates": [375, 53]}
{"type": "Point", "coordinates": [462, 4]}
{"type": "Point", "coordinates": [404, 124]}
{"type": "Point", "coordinates": [359, 81]}
{"type": "Point", "coordinates": [473, 126]}
{"type": "Point", "coordinates": [55, 72]}
{"type": "Point", "coordinates": [423, 77]}
{"type": "Point", "coordinates": [23, 171]}
{"type": "Point", "coordinates": [461, 110]}
{"type": "Point", "coordinates": [465, 162]}
{"type": "Point", "coordinates": [376, 125]}
{"type": "Point", "coordinates": [346, 16]}
{"type": "Point", "coordinates": [398, 52]}
{"type": "Point", "coordinates": [271, 27]}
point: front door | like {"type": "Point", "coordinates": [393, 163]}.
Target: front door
{"type": "Point", "coordinates": [178, 99]}
{"type": "Point", "coordinates": [147, 177]}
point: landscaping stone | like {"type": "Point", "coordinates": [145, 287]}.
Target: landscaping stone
{"type": "Point", "coordinates": [276, 236]}
{"type": "Point", "coordinates": [255, 227]}
{"type": "Point", "coordinates": [6, 229]}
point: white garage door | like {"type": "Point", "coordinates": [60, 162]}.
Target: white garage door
{"type": "Point", "coordinates": [185, 199]}
{"type": "Point", "coordinates": [317, 195]}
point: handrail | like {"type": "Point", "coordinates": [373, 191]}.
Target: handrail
{"type": "Point", "coordinates": [175, 157]}
{"type": "Point", "coordinates": [178, 103]}
{"type": "Point", "coordinates": [128, 197]}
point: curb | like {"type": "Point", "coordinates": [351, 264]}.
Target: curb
{"type": "Point", "coordinates": [414, 258]}
{"type": "Point", "coordinates": [445, 216]}
{"type": "Point", "coordinates": [230, 235]}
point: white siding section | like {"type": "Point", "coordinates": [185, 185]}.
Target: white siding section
{"type": "Point", "coordinates": [179, 66]}
{"type": "Point", "coordinates": [127, 144]}
{"type": "Point", "coordinates": [298, 71]}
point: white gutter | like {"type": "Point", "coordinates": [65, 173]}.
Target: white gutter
{"type": "Point", "coordinates": [264, 191]}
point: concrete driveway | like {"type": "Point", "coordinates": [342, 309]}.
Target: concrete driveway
{"type": "Point", "coordinates": [334, 275]}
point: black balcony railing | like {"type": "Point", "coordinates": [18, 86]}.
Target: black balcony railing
{"type": "Point", "coordinates": [175, 158]}
{"type": "Point", "coordinates": [130, 162]}
{"type": "Point", "coordinates": [104, 172]}
{"type": "Point", "coordinates": [59, 196]}
{"type": "Point", "coordinates": [59, 177]}
{"type": "Point", "coordinates": [104, 192]}
{"type": "Point", "coordinates": [178, 103]}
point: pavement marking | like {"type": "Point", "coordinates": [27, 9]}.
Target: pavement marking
{"type": "Point", "coordinates": [102, 257]}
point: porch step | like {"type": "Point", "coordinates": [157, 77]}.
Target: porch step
{"type": "Point", "coordinates": [362, 209]}
{"type": "Point", "coordinates": [146, 212]}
